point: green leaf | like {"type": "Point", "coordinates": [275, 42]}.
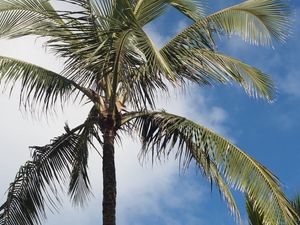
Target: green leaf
{"type": "Point", "coordinates": [39, 86]}
{"type": "Point", "coordinates": [193, 9]}
{"type": "Point", "coordinates": [256, 21]}
{"type": "Point", "coordinates": [254, 217]}
{"type": "Point", "coordinates": [36, 184]}
{"type": "Point", "coordinates": [210, 170]}
{"type": "Point", "coordinates": [24, 17]}
{"type": "Point", "coordinates": [296, 205]}
{"type": "Point", "coordinates": [161, 132]}
{"type": "Point", "coordinates": [146, 11]}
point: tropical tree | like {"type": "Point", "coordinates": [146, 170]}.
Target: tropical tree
{"type": "Point", "coordinates": [256, 217]}
{"type": "Point", "coordinates": [112, 65]}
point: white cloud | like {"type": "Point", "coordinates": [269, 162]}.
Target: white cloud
{"type": "Point", "coordinates": [158, 38]}
{"type": "Point", "coordinates": [291, 83]}
{"type": "Point", "coordinates": [30, 49]}
{"type": "Point", "coordinates": [182, 24]}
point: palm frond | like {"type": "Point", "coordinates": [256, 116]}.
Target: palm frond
{"type": "Point", "coordinates": [193, 9]}
{"type": "Point", "coordinates": [255, 82]}
{"type": "Point", "coordinates": [38, 85]}
{"type": "Point", "coordinates": [256, 21]}
{"type": "Point", "coordinates": [36, 184]}
{"type": "Point", "coordinates": [93, 50]}
{"type": "Point", "coordinates": [191, 53]}
{"type": "Point", "coordinates": [35, 181]}
{"type": "Point", "coordinates": [210, 170]}
{"type": "Point", "coordinates": [202, 159]}
{"type": "Point", "coordinates": [88, 46]}
{"type": "Point", "coordinates": [161, 132]}
{"type": "Point", "coordinates": [143, 70]}
{"type": "Point", "coordinates": [79, 186]}
{"type": "Point", "coordinates": [135, 62]}
{"type": "Point", "coordinates": [147, 10]}
{"type": "Point", "coordinates": [20, 18]}
{"type": "Point", "coordinates": [254, 217]}
{"type": "Point", "coordinates": [208, 67]}
{"type": "Point", "coordinates": [69, 34]}
{"type": "Point", "coordinates": [296, 205]}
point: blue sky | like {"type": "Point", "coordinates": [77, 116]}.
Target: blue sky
{"type": "Point", "coordinates": [161, 195]}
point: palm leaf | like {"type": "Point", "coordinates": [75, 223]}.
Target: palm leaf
{"type": "Point", "coordinates": [210, 170]}
{"type": "Point", "coordinates": [296, 204]}
{"type": "Point", "coordinates": [20, 18]}
{"type": "Point", "coordinates": [254, 82]}
{"type": "Point", "coordinates": [207, 67]}
{"type": "Point", "coordinates": [256, 21]}
{"type": "Point", "coordinates": [146, 11]}
{"type": "Point", "coordinates": [254, 217]}
{"type": "Point", "coordinates": [161, 132]}
{"type": "Point", "coordinates": [202, 158]}
{"type": "Point", "coordinates": [36, 182]}
{"type": "Point", "coordinates": [135, 62]}
{"type": "Point", "coordinates": [193, 9]}
{"type": "Point", "coordinates": [79, 186]}
{"type": "Point", "coordinates": [191, 51]}
{"type": "Point", "coordinates": [38, 85]}
{"type": "Point", "coordinates": [144, 70]}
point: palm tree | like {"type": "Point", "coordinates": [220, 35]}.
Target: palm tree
{"type": "Point", "coordinates": [112, 65]}
{"type": "Point", "coordinates": [256, 217]}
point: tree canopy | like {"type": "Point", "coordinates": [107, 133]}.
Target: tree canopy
{"type": "Point", "coordinates": [113, 65]}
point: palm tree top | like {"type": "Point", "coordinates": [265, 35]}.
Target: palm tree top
{"type": "Point", "coordinates": [83, 38]}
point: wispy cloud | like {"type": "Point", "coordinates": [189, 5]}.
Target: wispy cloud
{"type": "Point", "coordinates": [291, 83]}
{"type": "Point", "coordinates": [156, 36]}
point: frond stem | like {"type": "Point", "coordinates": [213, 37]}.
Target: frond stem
{"type": "Point", "coordinates": [116, 73]}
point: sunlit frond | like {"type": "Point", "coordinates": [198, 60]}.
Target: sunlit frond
{"type": "Point", "coordinates": [20, 18]}
{"type": "Point", "coordinates": [191, 51]}
{"type": "Point", "coordinates": [144, 70]}
{"type": "Point", "coordinates": [147, 10]}
{"type": "Point", "coordinates": [194, 9]}
{"type": "Point", "coordinates": [39, 86]}
{"type": "Point", "coordinates": [296, 204]}
{"type": "Point", "coordinates": [210, 67]}
{"type": "Point", "coordinates": [210, 170]}
{"type": "Point", "coordinates": [134, 62]}
{"type": "Point", "coordinates": [161, 132]}
{"type": "Point", "coordinates": [256, 21]}
{"type": "Point", "coordinates": [255, 82]}
{"type": "Point", "coordinates": [254, 218]}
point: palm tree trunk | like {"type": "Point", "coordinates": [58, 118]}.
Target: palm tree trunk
{"type": "Point", "coordinates": [109, 179]}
